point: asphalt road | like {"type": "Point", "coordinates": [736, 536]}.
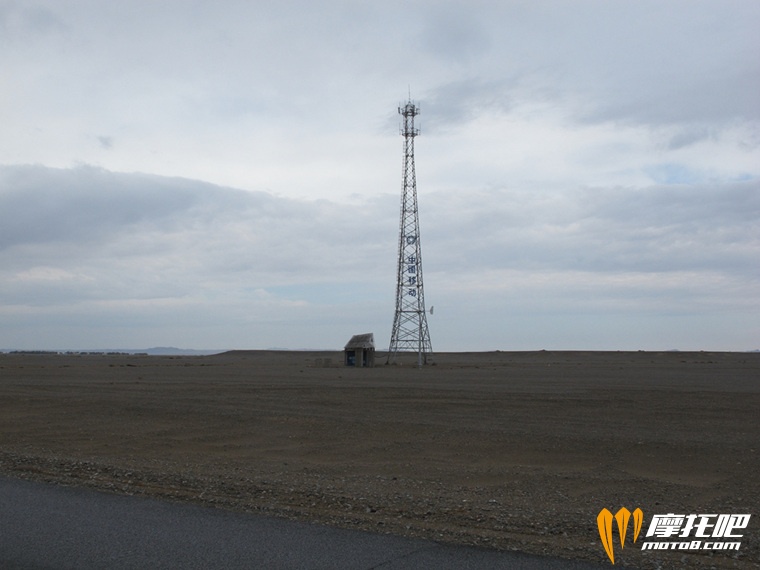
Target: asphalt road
{"type": "Point", "coordinates": [53, 527]}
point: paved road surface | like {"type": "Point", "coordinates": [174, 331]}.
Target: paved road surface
{"type": "Point", "coordinates": [53, 527]}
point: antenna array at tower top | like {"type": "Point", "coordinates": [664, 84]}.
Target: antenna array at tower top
{"type": "Point", "coordinates": [409, 110]}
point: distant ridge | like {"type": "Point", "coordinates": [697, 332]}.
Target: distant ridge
{"type": "Point", "coordinates": [155, 351]}
{"type": "Point", "coordinates": [174, 351]}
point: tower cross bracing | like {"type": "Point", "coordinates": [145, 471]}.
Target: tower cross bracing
{"type": "Point", "coordinates": [410, 329]}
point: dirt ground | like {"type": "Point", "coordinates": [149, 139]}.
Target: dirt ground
{"type": "Point", "coordinates": [508, 450]}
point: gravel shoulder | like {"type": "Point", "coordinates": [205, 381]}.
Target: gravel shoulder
{"type": "Point", "coordinates": [508, 450]}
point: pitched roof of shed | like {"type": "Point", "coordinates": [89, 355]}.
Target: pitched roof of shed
{"type": "Point", "coordinates": [366, 340]}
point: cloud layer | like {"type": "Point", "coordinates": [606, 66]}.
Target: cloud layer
{"type": "Point", "coordinates": [136, 259]}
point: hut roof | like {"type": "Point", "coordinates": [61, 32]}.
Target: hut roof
{"type": "Point", "coordinates": [366, 340]}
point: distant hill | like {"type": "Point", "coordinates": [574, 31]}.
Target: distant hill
{"type": "Point", "coordinates": [173, 351]}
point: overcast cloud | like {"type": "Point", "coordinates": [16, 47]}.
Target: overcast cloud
{"type": "Point", "coordinates": [227, 174]}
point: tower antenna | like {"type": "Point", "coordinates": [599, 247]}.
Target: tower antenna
{"type": "Point", "coordinates": [410, 329]}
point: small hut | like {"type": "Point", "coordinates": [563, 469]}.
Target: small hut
{"type": "Point", "coordinates": [360, 350]}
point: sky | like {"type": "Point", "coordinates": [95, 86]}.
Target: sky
{"type": "Point", "coordinates": [226, 174]}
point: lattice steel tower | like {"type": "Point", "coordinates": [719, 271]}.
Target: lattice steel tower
{"type": "Point", "coordinates": [410, 329]}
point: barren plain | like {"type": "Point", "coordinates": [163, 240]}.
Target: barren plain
{"type": "Point", "coordinates": [507, 450]}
